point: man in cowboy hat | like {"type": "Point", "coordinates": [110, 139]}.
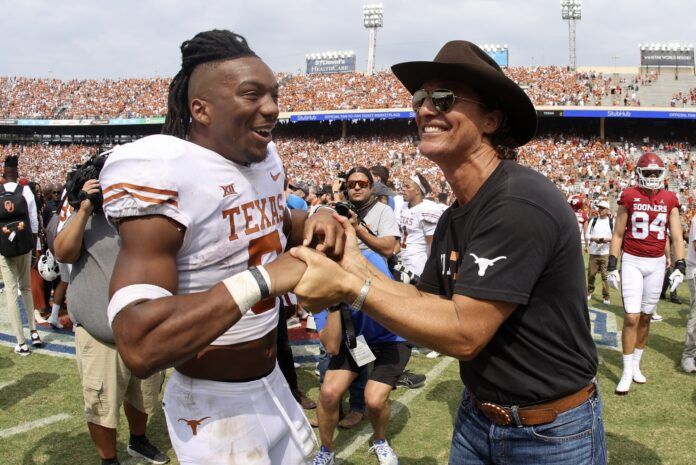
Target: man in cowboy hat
{"type": "Point", "coordinates": [503, 289]}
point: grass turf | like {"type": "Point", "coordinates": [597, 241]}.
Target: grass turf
{"type": "Point", "coordinates": [654, 424]}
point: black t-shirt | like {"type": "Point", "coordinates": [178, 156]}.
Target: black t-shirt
{"type": "Point", "coordinates": [518, 241]}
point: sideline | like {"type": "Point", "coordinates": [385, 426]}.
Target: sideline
{"type": "Point", "coordinates": [365, 432]}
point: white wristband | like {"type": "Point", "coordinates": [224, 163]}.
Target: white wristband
{"type": "Point", "coordinates": [129, 294]}
{"type": "Point", "coordinates": [245, 289]}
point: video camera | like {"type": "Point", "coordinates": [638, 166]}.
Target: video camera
{"type": "Point", "coordinates": [79, 176]}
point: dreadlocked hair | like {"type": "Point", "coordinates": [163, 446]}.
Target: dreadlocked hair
{"type": "Point", "coordinates": [205, 47]}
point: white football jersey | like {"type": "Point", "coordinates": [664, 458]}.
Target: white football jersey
{"type": "Point", "coordinates": [233, 214]}
{"type": "Point", "coordinates": [416, 223]}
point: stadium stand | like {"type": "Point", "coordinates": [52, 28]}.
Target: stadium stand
{"type": "Point", "coordinates": [22, 97]}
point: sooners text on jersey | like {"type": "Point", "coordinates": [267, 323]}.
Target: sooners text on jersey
{"type": "Point", "coordinates": [648, 218]}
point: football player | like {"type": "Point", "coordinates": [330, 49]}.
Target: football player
{"type": "Point", "coordinates": [202, 218]}
{"type": "Point", "coordinates": [417, 220]}
{"type": "Point", "coordinates": [577, 203]}
{"type": "Point", "coordinates": [640, 233]}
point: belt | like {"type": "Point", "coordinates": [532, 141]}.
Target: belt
{"type": "Point", "coordinates": [538, 414]}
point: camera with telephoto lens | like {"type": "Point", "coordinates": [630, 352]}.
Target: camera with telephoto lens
{"type": "Point", "coordinates": [79, 176]}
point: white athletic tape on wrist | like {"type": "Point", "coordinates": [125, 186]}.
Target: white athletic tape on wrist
{"type": "Point", "coordinates": [129, 294]}
{"type": "Point", "coordinates": [245, 289]}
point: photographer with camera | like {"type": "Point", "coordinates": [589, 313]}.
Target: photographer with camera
{"type": "Point", "coordinates": [374, 222]}
{"type": "Point", "coordinates": [87, 241]}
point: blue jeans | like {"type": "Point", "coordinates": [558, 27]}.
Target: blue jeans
{"type": "Point", "coordinates": [356, 390]}
{"type": "Point", "coordinates": [575, 437]}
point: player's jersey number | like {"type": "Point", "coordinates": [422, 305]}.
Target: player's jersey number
{"type": "Point", "coordinates": [257, 249]}
{"type": "Point", "coordinates": [641, 226]}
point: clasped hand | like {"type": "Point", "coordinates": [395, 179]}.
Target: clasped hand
{"type": "Point", "coordinates": [325, 281]}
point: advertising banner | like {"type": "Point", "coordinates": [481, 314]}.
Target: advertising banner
{"type": "Point", "coordinates": [331, 65]}
{"type": "Point", "coordinates": [676, 58]}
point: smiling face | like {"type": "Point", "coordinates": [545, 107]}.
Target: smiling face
{"type": "Point", "coordinates": [234, 106]}
{"type": "Point", "coordinates": [458, 132]}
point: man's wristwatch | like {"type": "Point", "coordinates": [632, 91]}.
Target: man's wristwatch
{"type": "Point", "coordinates": [360, 300]}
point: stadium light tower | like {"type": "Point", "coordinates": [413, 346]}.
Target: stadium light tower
{"type": "Point", "coordinates": [373, 18]}
{"type": "Point", "coordinates": [571, 12]}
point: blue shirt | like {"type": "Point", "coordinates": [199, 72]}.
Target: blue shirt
{"type": "Point", "coordinates": [374, 332]}
{"type": "Point", "coordinates": [295, 202]}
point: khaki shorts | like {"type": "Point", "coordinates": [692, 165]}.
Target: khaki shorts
{"type": "Point", "coordinates": [107, 382]}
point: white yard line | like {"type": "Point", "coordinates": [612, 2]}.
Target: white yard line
{"type": "Point", "coordinates": [366, 431]}
{"type": "Point", "coordinates": [6, 433]}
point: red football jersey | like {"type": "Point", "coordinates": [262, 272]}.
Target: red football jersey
{"type": "Point", "coordinates": [648, 220]}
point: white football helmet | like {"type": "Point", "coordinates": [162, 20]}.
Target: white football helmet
{"type": "Point", "coordinates": [48, 266]}
{"type": "Point", "coordinates": [651, 171]}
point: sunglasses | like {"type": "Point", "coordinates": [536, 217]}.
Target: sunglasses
{"type": "Point", "coordinates": [443, 99]}
{"type": "Point", "coordinates": [362, 184]}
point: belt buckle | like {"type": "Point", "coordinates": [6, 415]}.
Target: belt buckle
{"type": "Point", "coordinates": [496, 413]}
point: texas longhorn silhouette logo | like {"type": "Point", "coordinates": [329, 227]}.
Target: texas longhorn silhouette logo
{"type": "Point", "coordinates": [484, 263]}
{"type": "Point", "coordinates": [193, 424]}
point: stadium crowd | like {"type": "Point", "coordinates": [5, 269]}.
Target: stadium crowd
{"type": "Point", "coordinates": [577, 165]}
{"type": "Point", "coordinates": [22, 97]}
{"type": "Point", "coordinates": [47, 163]}
{"type": "Point", "coordinates": [683, 98]}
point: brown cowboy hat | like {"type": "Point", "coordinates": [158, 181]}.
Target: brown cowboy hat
{"type": "Point", "coordinates": [460, 60]}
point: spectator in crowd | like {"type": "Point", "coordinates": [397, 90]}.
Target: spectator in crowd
{"type": "Point", "coordinates": [503, 289]}
{"type": "Point", "coordinates": [87, 242]}
{"type": "Point", "coordinates": [16, 269]}
{"type": "Point", "coordinates": [295, 202]}
{"type": "Point", "coordinates": [599, 232]}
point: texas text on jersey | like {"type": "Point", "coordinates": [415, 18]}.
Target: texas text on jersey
{"type": "Point", "coordinates": [648, 218]}
{"type": "Point", "coordinates": [233, 222]}
{"type": "Point", "coordinates": [416, 223]}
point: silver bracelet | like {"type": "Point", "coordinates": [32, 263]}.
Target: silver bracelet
{"type": "Point", "coordinates": [360, 300]}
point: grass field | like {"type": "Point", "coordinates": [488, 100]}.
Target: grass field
{"type": "Point", "coordinates": [654, 424]}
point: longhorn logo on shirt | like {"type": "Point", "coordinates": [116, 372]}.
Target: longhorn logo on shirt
{"type": "Point", "coordinates": [9, 206]}
{"type": "Point", "coordinates": [484, 263]}
{"type": "Point", "coordinates": [228, 190]}
{"type": "Point", "coordinates": [193, 424]}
